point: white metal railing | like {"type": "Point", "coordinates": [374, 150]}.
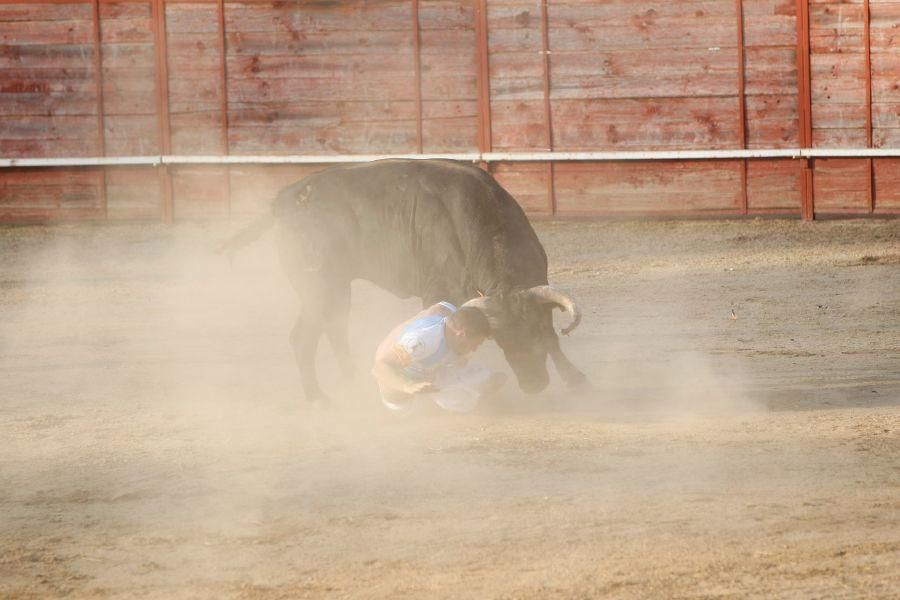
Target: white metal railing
{"type": "Point", "coordinates": [169, 159]}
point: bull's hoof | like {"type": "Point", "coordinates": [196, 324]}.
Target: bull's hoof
{"type": "Point", "coordinates": [317, 398]}
{"type": "Point", "coordinates": [579, 383]}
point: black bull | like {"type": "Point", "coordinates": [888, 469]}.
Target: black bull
{"type": "Point", "coordinates": [437, 229]}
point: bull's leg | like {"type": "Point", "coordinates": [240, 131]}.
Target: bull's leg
{"type": "Point", "coordinates": [569, 372]}
{"type": "Point", "coordinates": [301, 259]}
{"type": "Point", "coordinates": [336, 330]}
{"type": "Point", "coordinates": [305, 340]}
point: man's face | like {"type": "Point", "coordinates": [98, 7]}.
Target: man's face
{"type": "Point", "coordinates": [462, 342]}
{"type": "Point", "coordinates": [470, 343]}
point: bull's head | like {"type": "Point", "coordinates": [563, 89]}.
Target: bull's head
{"type": "Point", "coordinates": [522, 323]}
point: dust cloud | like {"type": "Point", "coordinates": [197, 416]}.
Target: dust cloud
{"type": "Point", "coordinates": [156, 441]}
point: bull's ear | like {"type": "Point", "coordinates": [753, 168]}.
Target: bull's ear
{"type": "Point", "coordinates": [492, 308]}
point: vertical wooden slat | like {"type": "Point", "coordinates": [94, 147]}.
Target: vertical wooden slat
{"type": "Point", "coordinates": [98, 77]}
{"type": "Point", "coordinates": [548, 112]}
{"type": "Point", "coordinates": [804, 108]}
{"type": "Point", "coordinates": [158, 20]}
{"type": "Point", "coordinates": [224, 104]}
{"type": "Point", "coordinates": [742, 102]}
{"type": "Point", "coordinates": [484, 87]}
{"type": "Point", "coordinates": [224, 75]}
{"type": "Point", "coordinates": [98, 81]}
{"type": "Point", "coordinates": [417, 58]}
{"type": "Point", "coordinates": [867, 40]}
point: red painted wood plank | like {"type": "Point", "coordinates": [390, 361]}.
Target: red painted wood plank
{"type": "Point", "coordinates": [301, 19]}
{"type": "Point", "coordinates": [253, 187]}
{"type": "Point", "coordinates": [841, 184]}
{"type": "Point", "coordinates": [773, 185]}
{"type": "Point", "coordinates": [836, 27]}
{"type": "Point", "coordinates": [884, 25]}
{"type": "Point", "coordinates": [37, 127]}
{"type": "Point", "coordinates": [515, 40]}
{"type": "Point", "coordinates": [310, 114]}
{"type": "Point", "coordinates": [48, 177]}
{"type": "Point", "coordinates": [193, 95]}
{"type": "Point", "coordinates": [446, 15]}
{"type": "Point", "coordinates": [379, 88]}
{"type": "Point", "coordinates": [128, 93]}
{"type": "Point", "coordinates": [839, 116]}
{"type": "Point", "coordinates": [14, 215]}
{"type": "Point", "coordinates": [124, 9]}
{"type": "Point", "coordinates": [321, 65]}
{"type": "Point", "coordinates": [192, 18]}
{"type": "Point", "coordinates": [200, 192]}
{"type": "Point", "coordinates": [635, 188]}
{"type": "Point", "coordinates": [47, 147]}
{"type": "Point", "coordinates": [362, 138]}
{"type": "Point", "coordinates": [38, 56]}
{"type": "Point", "coordinates": [190, 54]}
{"type": "Point", "coordinates": [838, 78]}
{"type": "Point", "coordinates": [127, 57]}
{"type": "Point", "coordinates": [644, 73]}
{"type": "Point", "coordinates": [771, 71]}
{"type": "Point", "coordinates": [457, 133]}
{"type": "Point", "coordinates": [886, 75]}
{"type": "Point", "coordinates": [131, 135]}
{"type": "Point", "coordinates": [50, 190]}
{"type": "Point", "coordinates": [528, 184]}
{"type": "Point", "coordinates": [132, 193]}
{"type": "Point", "coordinates": [514, 14]}
{"type": "Point", "coordinates": [887, 183]}
{"type": "Point", "coordinates": [621, 24]}
{"type": "Point", "coordinates": [47, 104]}
{"type": "Point", "coordinates": [22, 33]}
{"type": "Point", "coordinates": [445, 44]}
{"type": "Point", "coordinates": [197, 132]}
{"type": "Point", "coordinates": [773, 122]}
{"type": "Point", "coordinates": [645, 124]}
{"type": "Point", "coordinates": [770, 23]}
{"type": "Point", "coordinates": [44, 11]}
{"type": "Point", "coordinates": [128, 29]}
{"type": "Point", "coordinates": [838, 138]}
{"type": "Point", "coordinates": [518, 125]}
{"type": "Point", "coordinates": [335, 43]}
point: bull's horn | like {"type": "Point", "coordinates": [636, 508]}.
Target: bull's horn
{"type": "Point", "coordinates": [547, 294]}
{"type": "Point", "coordinates": [479, 303]}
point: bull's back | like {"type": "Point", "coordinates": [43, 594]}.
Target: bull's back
{"type": "Point", "coordinates": [402, 223]}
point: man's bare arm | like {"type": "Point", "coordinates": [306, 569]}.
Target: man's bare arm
{"type": "Point", "coordinates": [391, 359]}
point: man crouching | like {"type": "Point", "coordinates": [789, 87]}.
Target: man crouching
{"type": "Point", "coordinates": [427, 354]}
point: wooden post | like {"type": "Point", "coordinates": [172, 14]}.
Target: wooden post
{"type": "Point", "coordinates": [417, 61]}
{"type": "Point", "coordinates": [804, 108]}
{"type": "Point", "coordinates": [484, 85]}
{"type": "Point", "coordinates": [98, 81]}
{"type": "Point", "coordinates": [548, 112]}
{"type": "Point", "coordinates": [158, 17]}
{"type": "Point", "coordinates": [867, 40]}
{"type": "Point", "coordinates": [742, 104]}
{"type": "Point", "coordinates": [224, 104]}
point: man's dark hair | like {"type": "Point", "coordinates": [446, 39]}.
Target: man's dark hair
{"type": "Point", "coordinates": [472, 321]}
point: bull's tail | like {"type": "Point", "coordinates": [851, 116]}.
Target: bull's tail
{"type": "Point", "coordinates": [248, 234]}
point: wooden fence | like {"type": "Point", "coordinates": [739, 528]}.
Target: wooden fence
{"type": "Point", "coordinates": [792, 107]}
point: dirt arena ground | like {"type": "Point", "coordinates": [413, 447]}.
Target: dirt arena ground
{"type": "Point", "coordinates": [154, 444]}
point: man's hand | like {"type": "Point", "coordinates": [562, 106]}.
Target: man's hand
{"type": "Point", "coordinates": [419, 387]}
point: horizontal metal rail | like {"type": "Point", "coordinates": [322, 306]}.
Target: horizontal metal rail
{"type": "Point", "coordinates": [292, 159]}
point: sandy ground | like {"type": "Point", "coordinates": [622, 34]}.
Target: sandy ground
{"type": "Point", "coordinates": [154, 444]}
